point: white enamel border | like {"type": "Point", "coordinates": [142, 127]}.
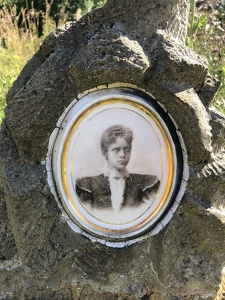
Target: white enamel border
{"type": "Point", "coordinates": [53, 168]}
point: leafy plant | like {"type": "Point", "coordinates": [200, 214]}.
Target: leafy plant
{"type": "Point", "coordinates": [56, 8]}
{"type": "Point", "coordinates": [206, 35]}
{"type": "Point", "coordinates": [24, 24]}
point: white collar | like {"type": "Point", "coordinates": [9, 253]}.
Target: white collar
{"type": "Point", "coordinates": [115, 174]}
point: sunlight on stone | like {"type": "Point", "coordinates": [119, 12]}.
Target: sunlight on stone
{"type": "Point", "coordinates": [218, 212]}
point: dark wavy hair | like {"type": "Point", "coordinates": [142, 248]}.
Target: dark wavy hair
{"type": "Point", "coordinates": [110, 135]}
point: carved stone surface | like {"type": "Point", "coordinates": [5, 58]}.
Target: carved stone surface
{"type": "Point", "coordinates": [138, 43]}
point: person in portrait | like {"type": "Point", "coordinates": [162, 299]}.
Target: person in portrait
{"type": "Point", "coordinates": [117, 188]}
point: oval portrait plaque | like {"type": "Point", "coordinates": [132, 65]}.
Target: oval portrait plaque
{"type": "Point", "coordinates": [117, 164]}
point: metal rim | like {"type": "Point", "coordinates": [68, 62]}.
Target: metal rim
{"type": "Point", "coordinates": [77, 117]}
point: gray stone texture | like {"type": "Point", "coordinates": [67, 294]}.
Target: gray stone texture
{"type": "Point", "coordinates": [126, 42]}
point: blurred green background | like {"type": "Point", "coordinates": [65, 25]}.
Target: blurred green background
{"type": "Point", "coordinates": [25, 24]}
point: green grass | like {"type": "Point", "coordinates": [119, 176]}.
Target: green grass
{"type": "Point", "coordinates": [18, 43]}
{"type": "Point", "coordinates": [206, 36]}
{"type": "Point", "coordinates": [11, 65]}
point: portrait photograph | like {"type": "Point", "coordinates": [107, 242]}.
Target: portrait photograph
{"type": "Point", "coordinates": [114, 164]}
{"type": "Point", "coordinates": [117, 166]}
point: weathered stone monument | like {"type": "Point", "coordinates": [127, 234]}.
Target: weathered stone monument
{"type": "Point", "coordinates": [134, 52]}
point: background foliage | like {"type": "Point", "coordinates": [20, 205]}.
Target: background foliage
{"type": "Point", "coordinates": [56, 7]}
{"type": "Point", "coordinates": [25, 23]}
{"type": "Point", "coordinates": [206, 35]}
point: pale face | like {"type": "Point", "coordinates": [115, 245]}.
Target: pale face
{"type": "Point", "coordinates": [118, 154]}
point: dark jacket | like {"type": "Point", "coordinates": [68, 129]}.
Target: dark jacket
{"type": "Point", "coordinates": [96, 190]}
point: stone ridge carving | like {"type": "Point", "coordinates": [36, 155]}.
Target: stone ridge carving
{"type": "Point", "coordinates": [125, 43]}
{"type": "Point", "coordinates": [108, 49]}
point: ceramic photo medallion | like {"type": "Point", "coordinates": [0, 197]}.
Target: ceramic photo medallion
{"type": "Point", "coordinates": [116, 165]}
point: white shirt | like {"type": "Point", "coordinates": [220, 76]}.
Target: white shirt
{"type": "Point", "coordinates": [117, 186]}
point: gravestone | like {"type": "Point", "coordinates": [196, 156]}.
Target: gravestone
{"type": "Point", "coordinates": [134, 51]}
